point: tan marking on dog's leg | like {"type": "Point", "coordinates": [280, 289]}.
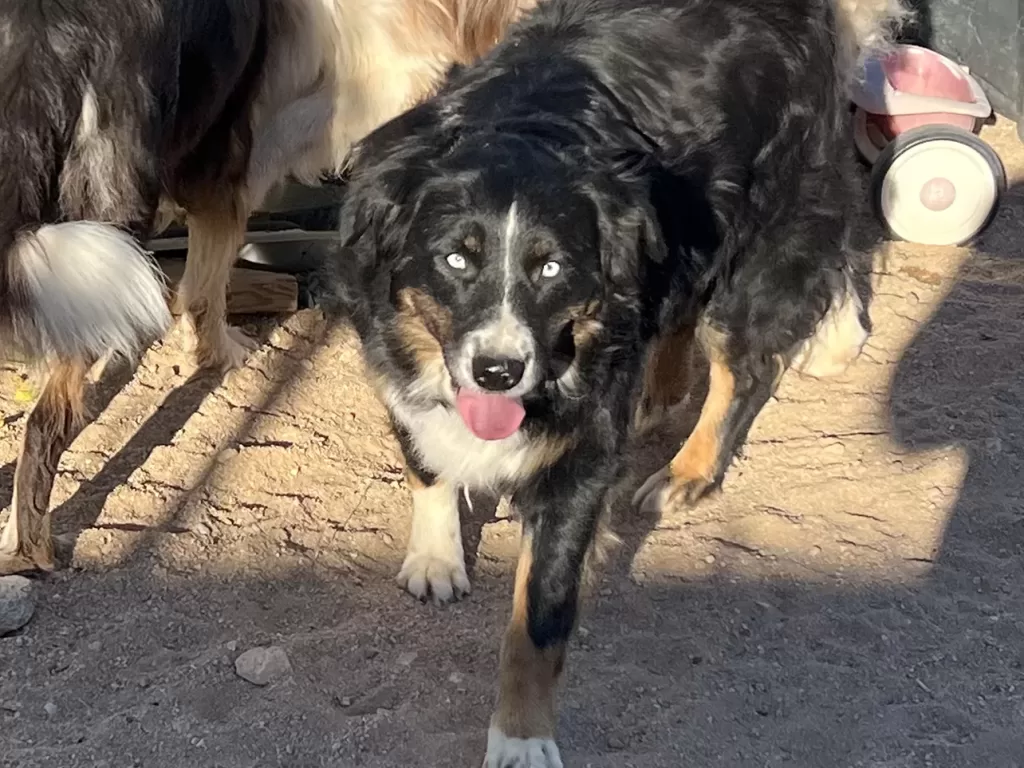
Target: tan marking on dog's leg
{"type": "Point", "coordinates": [667, 375]}
{"type": "Point", "coordinates": [214, 237]}
{"type": "Point", "coordinates": [697, 460]}
{"type": "Point", "coordinates": [523, 725]}
{"type": "Point", "coordinates": [26, 543]}
{"type": "Point", "coordinates": [435, 563]}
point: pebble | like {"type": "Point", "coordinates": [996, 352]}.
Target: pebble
{"type": "Point", "coordinates": [95, 646]}
{"type": "Point", "coordinates": [231, 645]}
{"type": "Point", "coordinates": [262, 666]}
{"type": "Point", "coordinates": [50, 708]}
{"type": "Point", "coordinates": [407, 658]}
{"type": "Point", "coordinates": [17, 603]}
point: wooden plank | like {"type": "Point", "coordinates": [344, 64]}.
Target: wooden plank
{"type": "Point", "coordinates": [250, 291]}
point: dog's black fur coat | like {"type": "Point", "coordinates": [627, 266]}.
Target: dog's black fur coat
{"type": "Point", "coordinates": [709, 140]}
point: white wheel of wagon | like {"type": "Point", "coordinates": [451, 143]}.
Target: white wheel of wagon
{"type": "Point", "coordinates": [937, 185]}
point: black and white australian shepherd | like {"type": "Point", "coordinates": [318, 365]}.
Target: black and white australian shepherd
{"type": "Point", "coordinates": [533, 251]}
{"type": "Point", "coordinates": [111, 110]}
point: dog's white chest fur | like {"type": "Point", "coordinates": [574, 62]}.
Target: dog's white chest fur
{"type": "Point", "coordinates": [447, 448]}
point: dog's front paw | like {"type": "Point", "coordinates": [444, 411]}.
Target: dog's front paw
{"type": "Point", "coordinates": [506, 752]}
{"type": "Point", "coordinates": [424, 575]}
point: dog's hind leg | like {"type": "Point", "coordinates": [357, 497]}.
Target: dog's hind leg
{"type": "Point", "coordinates": [26, 542]}
{"type": "Point", "coordinates": [216, 231]}
{"type": "Point", "coordinates": [838, 339]}
{"type": "Point", "coordinates": [738, 387]}
{"type": "Point", "coordinates": [667, 376]}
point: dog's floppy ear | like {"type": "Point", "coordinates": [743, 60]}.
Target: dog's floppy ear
{"type": "Point", "coordinates": [382, 176]}
{"type": "Point", "coordinates": [385, 139]}
{"type": "Point", "coordinates": [630, 232]}
{"type": "Point", "coordinates": [384, 172]}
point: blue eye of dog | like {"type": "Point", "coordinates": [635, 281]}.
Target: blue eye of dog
{"type": "Point", "coordinates": [551, 269]}
{"type": "Point", "coordinates": [456, 261]}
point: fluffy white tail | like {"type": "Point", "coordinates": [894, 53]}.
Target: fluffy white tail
{"type": "Point", "coordinates": [868, 26]}
{"type": "Point", "coordinates": [78, 290]}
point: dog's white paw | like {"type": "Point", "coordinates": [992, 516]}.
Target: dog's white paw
{"type": "Point", "coordinates": [506, 752]}
{"type": "Point", "coordinates": [435, 563]}
{"type": "Point", "coordinates": [424, 575]}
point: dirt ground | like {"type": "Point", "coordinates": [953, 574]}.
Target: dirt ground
{"type": "Point", "coordinates": [854, 597]}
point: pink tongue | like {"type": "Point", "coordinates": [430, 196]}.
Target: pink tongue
{"type": "Point", "coordinates": [489, 417]}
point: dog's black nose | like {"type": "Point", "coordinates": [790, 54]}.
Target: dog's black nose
{"type": "Point", "coordinates": [497, 374]}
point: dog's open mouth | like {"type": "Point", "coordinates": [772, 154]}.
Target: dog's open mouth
{"type": "Point", "coordinates": [489, 416]}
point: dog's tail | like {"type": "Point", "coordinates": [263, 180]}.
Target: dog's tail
{"type": "Point", "coordinates": [868, 26]}
{"type": "Point", "coordinates": [76, 291]}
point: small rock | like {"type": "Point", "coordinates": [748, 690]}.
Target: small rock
{"type": "Point", "coordinates": [709, 559]}
{"type": "Point", "coordinates": [231, 645]}
{"type": "Point", "coordinates": [202, 529]}
{"type": "Point", "coordinates": [17, 603]}
{"type": "Point", "coordinates": [385, 698]}
{"type": "Point", "coordinates": [407, 658]}
{"type": "Point", "coordinates": [614, 742]}
{"type": "Point", "coordinates": [261, 666]}
{"type": "Point", "coordinates": [50, 708]}
{"type": "Point", "coordinates": [95, 646]}
{"type": "Point", "coordinates": [455, 678]}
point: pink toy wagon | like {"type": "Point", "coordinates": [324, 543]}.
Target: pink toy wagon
{"type": "Point", "coordinates": [916, 119]}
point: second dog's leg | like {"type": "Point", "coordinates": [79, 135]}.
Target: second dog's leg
{"type": "Point", "coordinates": [214, 237]}
{"type": "Point", "coordinates": [26, 542]}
